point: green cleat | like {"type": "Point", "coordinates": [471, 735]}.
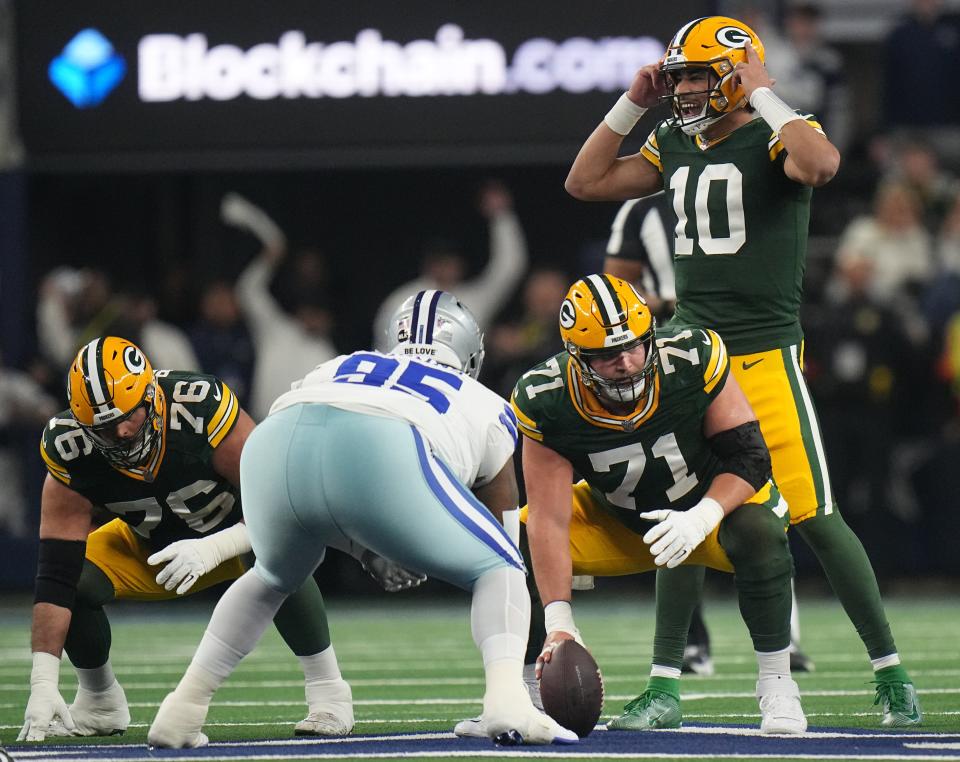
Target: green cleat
{"type": "Point", "coordinates": [900, 704]}
{"type": "Point", "coordinates": [651, 710]}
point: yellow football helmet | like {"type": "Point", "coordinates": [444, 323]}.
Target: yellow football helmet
{"type": "Point", "coordinates": [718, 44]}
{"type": "Point", "coordinates": [108, 381]}
{"type": "Point", "coordinates": [602, 316]}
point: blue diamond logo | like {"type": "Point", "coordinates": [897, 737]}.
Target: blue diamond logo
{"type": "Point", "coordinates": [88, 69]}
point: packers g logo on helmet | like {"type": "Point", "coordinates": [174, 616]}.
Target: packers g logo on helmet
{"type": "Point", "coordinates": [603, 316]}
{"type": "Point", "coordinates": [109, 380]}
{"type": "Point", "coordinates": [717, 44]}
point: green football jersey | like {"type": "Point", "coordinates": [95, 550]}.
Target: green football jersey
{"type": "Point", "coordinates": [187, 497]}
{"type": "Point", "coordinates": [740, 233]}
{"type": "Point", "coordinates": [656, 457]}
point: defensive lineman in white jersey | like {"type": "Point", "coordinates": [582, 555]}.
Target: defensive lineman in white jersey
{"type": "Point", "coordinates": [408, 455]}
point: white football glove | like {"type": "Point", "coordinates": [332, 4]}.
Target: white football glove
{"type": "Point", "coordinates": [390, 576]}
{"type": "Point", "coordinates": [678, 533]}
{"type": "Point", "coordinates": [188, 560]}
{"type": "Point", "coordinates": [45, 701]}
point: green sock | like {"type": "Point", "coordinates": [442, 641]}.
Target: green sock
{"type": "Point", "coordinates": [678, 594]}
{"type": "Point", "coordinates": [894, 674]}
{"type": "Point", "coordinates": [851, 576]}
{"type": "Point", "coordinates": [668, 685]}
{"type": "Point", "coordinates": [302, 621]}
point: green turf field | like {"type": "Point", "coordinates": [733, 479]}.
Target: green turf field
{"type": "Point", "coordinates": [413, 665]}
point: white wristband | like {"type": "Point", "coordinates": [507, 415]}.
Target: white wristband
{"type": "Point", "coordinates": [229, 543]}
{"type": "Point", "coordinates": [774, 111]}
{"type": "Point", "coordinates": [46, 668]}
{"type": "Point", "coordinates": [558, 615]}
{"type": "Point", "coordinates": [710, 513]}
{"type": "Point", "coordinates": [624, 115]}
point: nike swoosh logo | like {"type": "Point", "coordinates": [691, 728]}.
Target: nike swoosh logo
{"type": "Point", "coordinates": [216, 392]}
{"type": "Point", "coordinates": [748, 365]}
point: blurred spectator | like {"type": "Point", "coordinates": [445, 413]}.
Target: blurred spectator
{"type": "Point", "coordinates": [74, 307]}
{"type": "Point", "coordinates": [166, 345]}
{"type": "Point", "coordinates": [516, 345]}
{"type": "Point", "coordinates": [24, 409]}
{"type": "Point", "coordinates": [941, 300]}
{"type": "Point", "coordinates": [221, 339]}
{"type": "Point", "coordinates": [857, 353]}
{"type": "Point", "coordinates": [444, 268]}
{"type": "Point", "coordinates": [917, 165]}
{"type": "Point", "coordinates": [894, 241]}
{"type": "Point", "coordinates": [921, 57]}
{"type": "Point", "coordinates": [286, 347]}
{"type": "Point", "coordinates": [809, 74]}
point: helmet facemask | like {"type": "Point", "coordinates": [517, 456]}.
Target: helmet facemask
{"type": "Point", "coordinates": [632, 389]}
{"type": "Point", "coordinates": [715, 105]}
{"type": "Point", "coordinates": [130, 452]}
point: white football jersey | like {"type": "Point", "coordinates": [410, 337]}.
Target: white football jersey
{"type": "Point", "coordinates": [470, 428]}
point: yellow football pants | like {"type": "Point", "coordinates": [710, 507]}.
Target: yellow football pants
{"type": "Point", "coordinates": [773, 383]}
{"type": "Point", "coordinates": [601, 546]}
{"type": "Point", "coordinates": [119, 553]}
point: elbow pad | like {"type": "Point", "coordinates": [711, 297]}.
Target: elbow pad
{"type": "Point", "coordinates": [744, 453]}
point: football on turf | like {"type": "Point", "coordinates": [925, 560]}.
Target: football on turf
{"type": "Point", "coordinates": [571, 688]}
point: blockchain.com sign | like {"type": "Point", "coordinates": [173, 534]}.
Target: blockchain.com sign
{"type": "Point", "coordinates": [231, 83]}
{"type": "Point", "coordinates": [173, 67]}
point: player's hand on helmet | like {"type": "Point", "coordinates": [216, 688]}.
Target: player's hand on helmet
{"type": "Point", "coordinates": [45, 702]}
{"type": "Point", "coordinates": [752, 73]}
{"type": "Point", "coordinates": [390, 576]}
{"type": "Point", "coordinates": [648, 86]}
{"type": "Point", "coordinates": [678, 533]}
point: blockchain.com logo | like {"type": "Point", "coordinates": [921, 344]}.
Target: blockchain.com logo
{"type": "Point", "coordinates": [88, 69]}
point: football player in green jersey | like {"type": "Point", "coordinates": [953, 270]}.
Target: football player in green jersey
{"type": "Point", "coordinates": [738, 166]}
{"type": "Point", "coordinates": [160, 452]}
{"type": "Point", "coordinates": [671, 457]}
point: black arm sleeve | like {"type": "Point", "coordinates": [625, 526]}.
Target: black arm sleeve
{"type": "Point", "coordinates": [744, 453]}
{"type": "Point", "coordinates": [58, 570]}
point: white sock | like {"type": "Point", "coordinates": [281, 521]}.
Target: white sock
{"type": "Point", "coordinates": [500, 615]}
{"type": "Point", "coordinates": [237, 624]}
{"type": "Point", "coordinates": [658, 670]}
{"type": "Point", "coordinates": [319, 671]}
{"type": "Point", "coordinates": [890, 660]}
{"type": "Point", "coordinates": [774, 664]}
{"type": "Point", "coordinates": [97, 679]}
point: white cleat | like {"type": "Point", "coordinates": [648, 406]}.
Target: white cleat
{"type": "Point", "coordinates": [177, 725]}
{"type": "Point", "coordinates": [530, 727]}
{"type": "Point", "coordinates": [96, 713]}
{"type": "Point", "coordinates": [475, 727]}
{"type": "Point", "coordinates": [332, 717]}
{"type": "Point", "coordinates": [780, 709]}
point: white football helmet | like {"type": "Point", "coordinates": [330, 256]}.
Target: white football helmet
{"type": "Point", "coordinates": [436, 325]}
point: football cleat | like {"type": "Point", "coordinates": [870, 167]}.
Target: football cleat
{"type": "Point", "coordinates": [332, 717]}
{"type": "Point", "coordinates": [178, 724]}
{"type": "Point", "coordinates": [96, 713]}
{"type": "Point", "coordinates": [475, 727]}
{"type": "Point", "coordinates": [900, 704]}
{"type": "Point", "coordinates": [651, 710]}
{"type": "Point", "coordinates": [696, 660]}
{"type": "Point", "coordinates": [780, 709]}
{"type": "Point", "coordinates": [527, 726]}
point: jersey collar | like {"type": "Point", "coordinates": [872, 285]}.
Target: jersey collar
{"type": "Point", "coordinates": [585, 402]}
